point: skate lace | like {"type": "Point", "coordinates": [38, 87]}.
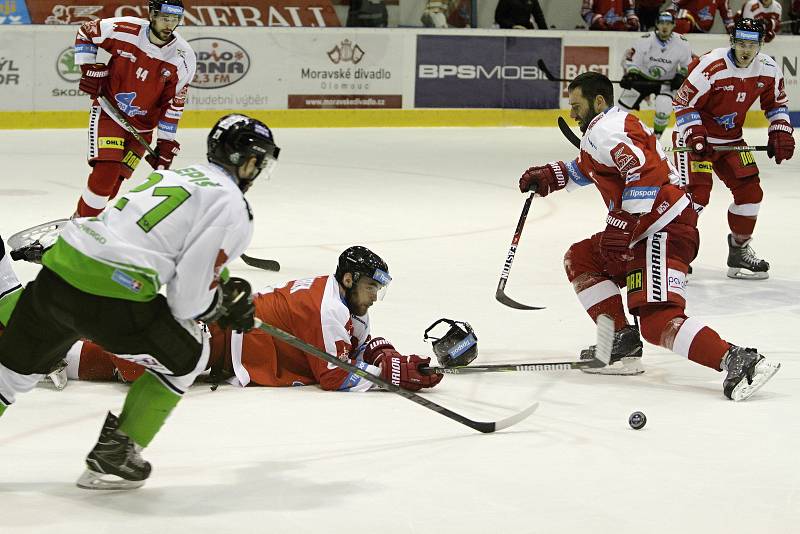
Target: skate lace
{"type": "Point", "coordinates": [749, 256]}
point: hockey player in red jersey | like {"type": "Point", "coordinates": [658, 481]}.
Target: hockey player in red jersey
{"type": "Point", "coordinates": [329, 312]}
{"type": "Point", "coordinates": [767, 11]}
{"type": "Point", "coordinates": [648, 243]}
{"type": "Point", "coordinates": [697, 16]}
{"type": "Point", "coordinates": [710, 110]}
{"type": "Point", "coordinates": [616, 15]}
{"type": "Point", "coordinates": [146, 79]}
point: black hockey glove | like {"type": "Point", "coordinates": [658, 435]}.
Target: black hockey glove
{"type": "Point", "coordinates": [630, 79]}
{"type": "Point", "coordinates": [237, 310]}
{"type": "Point", "coordinates": [677, 81]}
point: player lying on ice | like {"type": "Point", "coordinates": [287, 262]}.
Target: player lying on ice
{"type": "Point", "coordinates": [101, 280]}
{"type": "Point", "coordinates": [329, 312]}
{"type": "Point", "coordinates": [649, 241]}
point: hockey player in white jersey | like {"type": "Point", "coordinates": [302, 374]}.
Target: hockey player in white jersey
{"type": "Point", "coordinates": [101, 280]}
{"type": "Point", "coordinates": [656, 65]}
{"type": "Point", "coordinates": [767, 11]}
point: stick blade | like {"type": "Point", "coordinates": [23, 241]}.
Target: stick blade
{"type": "Point", "coordinates": [605, 338]}
{"type": "Point", "coordinates": [568, 133]}
{"type": "Point", "coordinates": [516, 418]}
{"type": "Point", "coordinates": [504, 299]}
{"type": "Point", "coordinates": [267, 265]}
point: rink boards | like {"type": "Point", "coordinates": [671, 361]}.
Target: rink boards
{"type": "Point", "coordinates": [313, 77]}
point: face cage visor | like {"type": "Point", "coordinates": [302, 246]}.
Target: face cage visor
{"type": "Point", "coordinates": [380, 276]}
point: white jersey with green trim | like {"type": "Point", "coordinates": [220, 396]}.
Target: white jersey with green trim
{"type": "Point", "coordinates": [178, 229]}
{"type": "Point", "coordinates": [657, 59]}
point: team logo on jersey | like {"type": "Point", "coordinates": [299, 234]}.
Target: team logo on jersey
{"type": "Point", "coordinates": [219, 63]}
{"type": "Point", "coordinates": [747, 158]}
{"type": "Point", "coordinates": [685, 94]}
{"type": "Point", "coordinates": [66, 67]}
{"type": "Point", "coordinates": [634, 281]}
{"type": "Point", "coordinates": [624, 157]}
{"type": "Point", "coordinates": [702, 166]}
{"type": "Point", "coordinates": [727, 121]}
{"type": "Point", "coordinates": [125, 104]}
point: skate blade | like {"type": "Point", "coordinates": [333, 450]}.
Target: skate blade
{"type": "Point", "coordinates": [763, 372]}
{"type": "Point", "coordinates": [740, 273]}
{"type": "Point", "coordinates": [623, 367]}
{"type": "Point", "coordinates": [100, 481]}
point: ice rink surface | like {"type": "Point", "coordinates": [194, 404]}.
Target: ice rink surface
{"type": "Point", "coordinates": [440, 205]}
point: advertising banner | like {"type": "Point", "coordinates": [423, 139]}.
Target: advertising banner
{"type": "Point", "coordinates": [17, 69]}
{"type": "Point", "coordinates": [313, 13]}
{"type": "Point", "coordinates": [343, 71]}
{"type": "Point", "coordinates": [461, 71]}
{"type": "Point", "coordinates": [14, 12]}
{"type": "Point", "coordinates": [580, 59]}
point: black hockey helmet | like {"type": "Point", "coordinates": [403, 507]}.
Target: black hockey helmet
{"type": "Point", "coordinates": [168, 7]}
{"type": "Point", "coordinates": [457, 347]}
{"type": "Point", "coordinates": [359, 260]}
{"type": "Point", "coordinates": [748, 30]}
{"type": "Point", "coordinates": [235, 138]}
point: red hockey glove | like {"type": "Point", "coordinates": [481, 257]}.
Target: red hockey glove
{"type": "Point", "coordinates": [404, 371]}
{"type": "Point", "coordinates": [781, 142]}
{"type": "Point", "coordinates": [166, 150]}
{"type": "Point", "coordinates": [598, 22]}
{"type": "Point", "coordinates": [632, 23]}
{"type": "Point", "coordinates": [93, 78]}
{"type": "Point", "coordinates": [616, 238]}
{"type": "Point", "coordinates": [544, 179]}
{"type": "Point", "coordinates": [374, 348]}
{"type": "Point", "coordinates": [697, 140]}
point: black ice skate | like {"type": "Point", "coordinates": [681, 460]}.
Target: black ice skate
{"type": "Point", "coordinates": [626, 354]}
{"type": "Point", "coordinates": [114, 463]}
{"type": "Point", "coordinates": [747, 372]}
{"type": "Point", "coordinates": [743, 263]}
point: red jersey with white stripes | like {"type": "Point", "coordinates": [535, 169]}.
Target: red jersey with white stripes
{"type": "Point", "coordinates": [147, 83]}
{"type": "Point", "coordinates": [717, 94]}
{"type": "Point", "coordinates": [630, 168]}
{"type": "Point", "coordinates": [312, 310]}
{"type": "Point", "coordinates": [770, 15]}
{"type": "Point", "coordinates": [702, 11]}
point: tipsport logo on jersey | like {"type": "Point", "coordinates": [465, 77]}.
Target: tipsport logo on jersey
{"type": "Point", "coordinates": [457, 71]}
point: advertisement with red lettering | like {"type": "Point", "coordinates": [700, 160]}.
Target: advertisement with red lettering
{"type": "Point", "coordinates": [281, 13]}
{"type": "Point", "coordinates": [580, 59]}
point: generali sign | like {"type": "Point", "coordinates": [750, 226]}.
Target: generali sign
{"type": "Point", "coordinates": [287, 13]}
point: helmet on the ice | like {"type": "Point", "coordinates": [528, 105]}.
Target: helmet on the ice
{"type": "Point", "coordinates": [167, 7]}
{"type": "Point", "coordinates": [457, 347]}
{"type": "Point", "coordinates": [234, 139]}
{"type": "Point", "coordinates": [360, 261]}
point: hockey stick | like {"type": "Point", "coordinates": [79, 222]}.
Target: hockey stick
{"type": "Point", "coordinates": [575, 140]}
{"type": "Point", "coordinates": [602, 356]}
{"type": "Point", "coordinates": [486, 427]}
{"type": "Point", "coordinates": [267, 265]}
{"type": "Point", "coordinates": [111, 109]}
{"type": "Point", "coordinates": [549, 75]}
{"type": "Point", "coordinates": [500, 294]}
{"type": "Point", "coordinates": [743, 148]}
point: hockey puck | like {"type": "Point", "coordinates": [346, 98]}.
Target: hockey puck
{"type": "Point", "coordinates": [637, 420]}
